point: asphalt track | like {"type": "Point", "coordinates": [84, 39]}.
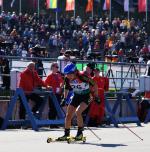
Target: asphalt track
{"type": "Point", "coordinates": [112, 140]}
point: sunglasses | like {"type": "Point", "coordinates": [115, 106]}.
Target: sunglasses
{"type": "Point", "coordinates": [56, 67]}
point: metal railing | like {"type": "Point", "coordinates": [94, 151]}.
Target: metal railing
{"type": "Point", "coordinates": [121, 75]}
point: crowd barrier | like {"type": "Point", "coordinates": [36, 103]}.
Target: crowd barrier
{"type": "Point", "coordinates": [34, 121]}
{"type": "Point", "coordinates": [112, 110]}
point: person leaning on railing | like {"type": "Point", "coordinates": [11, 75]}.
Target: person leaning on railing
{"type": "Point", "coordinates": [54, 81]}
{"type": "Point", "coordinates": [29, 81]}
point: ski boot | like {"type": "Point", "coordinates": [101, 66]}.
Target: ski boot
{"type": "Point", "coordinates": [79, 135]}
{"type": "Point", "coordinates": [65, 137]}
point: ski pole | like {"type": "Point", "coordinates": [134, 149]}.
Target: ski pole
{"type": "Point", "coordinates": [94, 133]}
{"type": "Point", "coordinates": [124, 125]}
{"type": "Point", "coordinates": [130, 130]}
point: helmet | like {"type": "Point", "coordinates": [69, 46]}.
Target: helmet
{"type": "Point", "coordinates": [69, 68]}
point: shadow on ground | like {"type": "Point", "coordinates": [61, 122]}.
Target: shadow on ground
{"type": "Point", "coordinates": [102, 145]}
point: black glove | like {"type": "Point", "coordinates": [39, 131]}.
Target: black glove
{"type": "Point", "coordinates": [97, 100]}
{"type": "Point", "coordinates": [63, 102]}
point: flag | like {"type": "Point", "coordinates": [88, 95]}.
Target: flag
{"type": "Point", "coordinates": [1, 2]}
{"type": "Point", "coordinates": [89, 7]}
{"type": "Point", "coordinates": [126, 5]}
{"type": "Point", "coordinates": [106, 5]}
{"type": "Point", "coordinates": [35, 4]}
{"type": "Point", "coordinates": [12, 3]}
{"type": "Point", "coordinates": [51, 4]}
{"type": "Point", "coordinates": [142, 5]}
{"type": "Point", "coordinates": [70, 5]}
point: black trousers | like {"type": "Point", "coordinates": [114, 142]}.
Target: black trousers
{"type": "Point", "coordinates": [37, 99]}
{"type": "Point", "coordinates": [145, 104]}
{"type": "Point", "coordinates": [52, 110]}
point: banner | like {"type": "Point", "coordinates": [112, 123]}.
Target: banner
{"type": "Point", "coordinates": [70, 5]}
{"type": "Point", "coordinates": [142, 5]}
{"type": "Point", "coordinates": [126, 5]}
{"type": "Point", "coordinates": [106, 5]}
{"type": "Point", "coordinates": [89, 7]}
{"type": "Point", "coordinates": [51, 4]}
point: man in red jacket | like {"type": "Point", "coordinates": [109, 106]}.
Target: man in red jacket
{"type": "Point", "coordinates": [29, 80]}
{"type": "Point", "coordinates": [96, 112]}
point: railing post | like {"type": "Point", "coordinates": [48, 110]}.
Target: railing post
{"type": "Point", "coordinates": [121, 77]}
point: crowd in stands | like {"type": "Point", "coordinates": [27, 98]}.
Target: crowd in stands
{"type": "Point", "coordinates": [95, 38]}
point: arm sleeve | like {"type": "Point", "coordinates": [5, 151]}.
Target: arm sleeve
{"type": "Point", "coordinates": [39, 81]}
{"type": "Point", "coordinates": [48, 81]}
{"type": "Point", "coordinates": [91, 82]}
{"type": "Point", "coordinates": [21, 83]}
{"type": "Point", "coordinates": [87, 79]}
{"type": "Point", "coordinates": [106, 88]}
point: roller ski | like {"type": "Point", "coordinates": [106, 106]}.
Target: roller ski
{"type": "Point", "coordinates": [76, 139]}
{"type": "Point", "coordinates": [59, 139]}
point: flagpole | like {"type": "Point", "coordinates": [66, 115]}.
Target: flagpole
{"type": "Point", "coordinates": [38, 8]}
{"type": "Point", "coordinates": [146, 10]}
{"type": "Point", "coordinates": [128, 10]}
{"type": "Point", "coordinates": [2, 6]}
{"type": "Point", "coordinates": [57, 15]}
{"type": "Point", "coordinates": [20, 6]}
{"type": "Point", "coordinates": [74, 9]}
{"type": "Point", "coordinates": [93, 10]}
{"type": "Point", "coordinates": [110, 11]}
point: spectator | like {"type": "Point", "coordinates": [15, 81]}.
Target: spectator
{"type": "Point", "coordinates": [54, 81]}
{"type": "Point", "coordinates": [88, 69]}
{"type": "Point", "coordinates": [5, 74]}
{"type": "Point", "coordinates": [145, 104]}
{"type": "Point", "coordinates": [78, 22]}
{"type": "Point", "coordinates": [96, 112]}
{"type": "Point", "coordinates": [64, 59]}
{"type": "Point", "coordinates": [30, 81]}
{"type": "Point", "coordinates": [39, 67]}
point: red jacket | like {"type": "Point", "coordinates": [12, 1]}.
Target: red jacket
{"type": "Point", "coordinates": [29, 81]}
{"type": "Point", "coordinates": [96, 111]}
{"type": "Point", "coordinates": [102, 82]}
{"type": "Point", "coordinates": [147, 95]}
{"type": "Point", "coordinates": [54, 80]}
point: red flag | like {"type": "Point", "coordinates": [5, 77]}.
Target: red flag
{"type": "Point", "coordinates": [106, 5]}
{"type": "Point", "coordinates": [142, 5]}
{"type": "Point", "coordinates": [70, 5]}
{"type": "Point", "coordinates": [89, 7]}
{"type": "Point", "coordinates": [32, 4]}
{"type": "Point", "coordinates": [35, 4]}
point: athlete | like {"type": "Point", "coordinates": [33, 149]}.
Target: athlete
{"type": "Point", "coordinates": [80, 85]}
